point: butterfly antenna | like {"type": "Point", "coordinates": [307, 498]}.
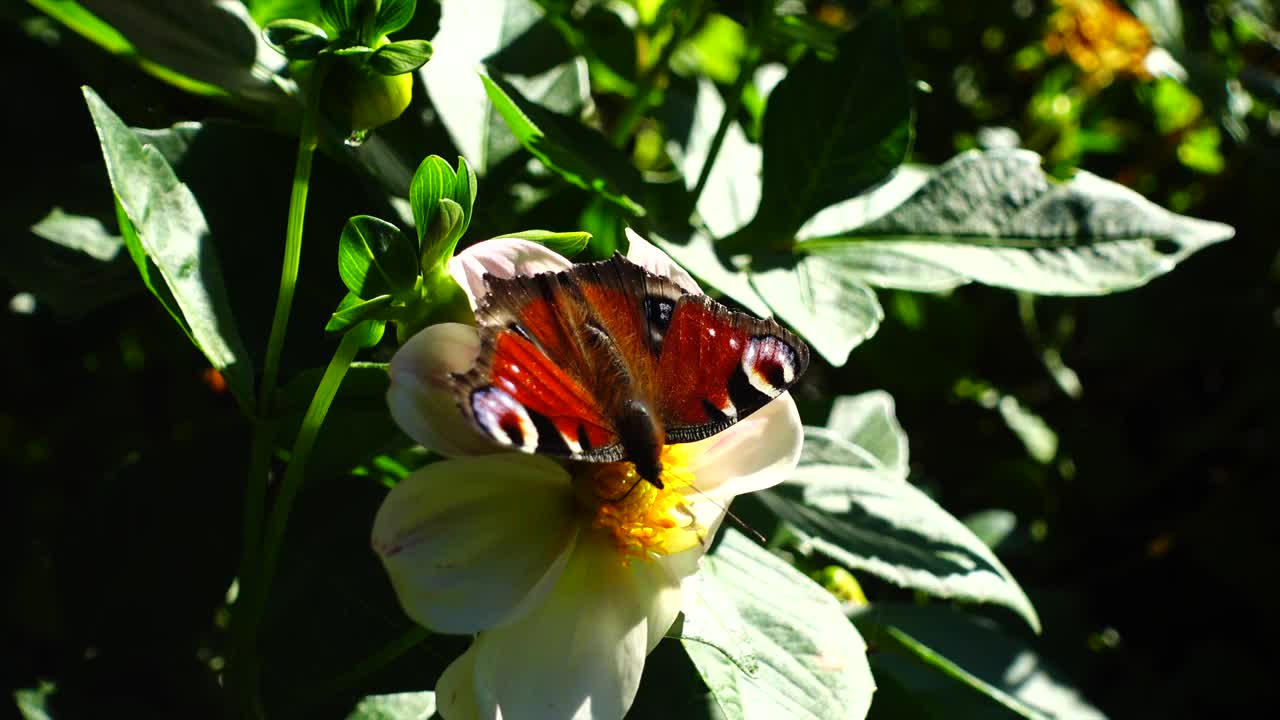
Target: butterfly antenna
{"type": "Point", "coordinates": [728, 513]}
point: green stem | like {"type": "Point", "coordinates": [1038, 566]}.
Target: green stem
{"type": "Point", "coordinates": [641, 101]}
{"type": "Point", "coordinates": [242, 670]}
{"type": "Point", "coordinates": [388, 654]}
{"type": "Point", "coordinates": [745, 71]}
{"type": "Point", "coordinates": [302, 445]}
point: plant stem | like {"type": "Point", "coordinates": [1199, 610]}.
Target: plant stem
{"type": "Point", "coordinates": [302, 445]}
{"type": "Point", "coordinates": [242, 670]}
{"type": "Point", "coordinates": [641, 101]}
{"type": "Point", "coordinates": [745, 71]}
{"type": "Point", "coordinates": [386, 655]}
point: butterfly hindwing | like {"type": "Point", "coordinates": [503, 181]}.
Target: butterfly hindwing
{"type": "Point", "coordinates": [717, 366]}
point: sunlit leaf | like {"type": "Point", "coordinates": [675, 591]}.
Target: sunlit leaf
{"type": "Point", "coordinates": [771, 643]}
{"type": "Point", "coordinates": [870, 520]}
{"type": "Point", "coordinates": [164, 227]}
{"type": "Point", "coordinates": [375, 258]}
{"type": "Point", "coordinates": [996, 218]}
{"type": "Point", "coordinates": [576, 153]}
{"type": "Point", "coordinates": [830, 309]}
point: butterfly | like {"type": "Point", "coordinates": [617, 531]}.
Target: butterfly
{"type": "Point", "coordinates": [608, 362]}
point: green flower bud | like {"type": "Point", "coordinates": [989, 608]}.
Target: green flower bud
{"type": "Point", "coordinates": [358, 99]}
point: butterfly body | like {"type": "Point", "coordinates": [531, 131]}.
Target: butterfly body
{"type": "Point", "coordinates": [606, 362]}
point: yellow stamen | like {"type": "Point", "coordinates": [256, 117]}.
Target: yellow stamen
{"type": "Point", "coordinates": [643, 521]}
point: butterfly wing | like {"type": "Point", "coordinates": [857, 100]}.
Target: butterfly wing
{"type": "Point", "coordinates": [717, 366]}
{"type": "Point", "coordinates": [560, 353]}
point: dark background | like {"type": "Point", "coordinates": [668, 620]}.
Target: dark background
{"type": "Point", "coordinates": [1148, 543]}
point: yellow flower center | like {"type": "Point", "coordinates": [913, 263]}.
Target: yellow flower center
{"type": "Point", "coordinates": [643, 521]}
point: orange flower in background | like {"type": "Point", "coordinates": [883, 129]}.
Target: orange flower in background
{"type": "Point", "coordinates": [1103, 39]}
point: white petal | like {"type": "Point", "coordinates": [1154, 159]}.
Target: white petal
{"type": "Point", "coordinates": [473, 542]}
{"type": "Point", "coordinates": [645, 254]}
{"type": "Point", "coordinates": [455, 690]}
{"type": "Point", "coordinates": [501, 258]}
{"type": "Point", "coordinates": [581, 653]}
{"type": "Point", "coordinates": [421, 399]}
{"type": "Point", "coordinates": [757, 453]}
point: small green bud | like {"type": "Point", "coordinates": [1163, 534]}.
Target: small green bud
{"type": "Point", "coordinates": [842, 584]}
{"type": "Point", "coordinates": [358, 99]}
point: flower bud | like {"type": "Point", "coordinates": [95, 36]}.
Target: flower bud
{"type": "Point", "coordinates": [358, 99]}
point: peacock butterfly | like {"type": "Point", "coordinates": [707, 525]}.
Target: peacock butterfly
{"type": "Point", "coordinates": [606, 361]}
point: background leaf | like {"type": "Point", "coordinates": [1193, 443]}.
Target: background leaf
{"type": "Point", "coordinates": [511, 36]}
{"type": "Point", "coordinates": [996, 218]}
{"type": "Point", "coordinates": [578, 154]}
{"type": "Point", "coordinates": [171, 233]}
{"type": "Point", "coordinates": [793, 655]}
{"type": "Point", "coordinates": [828, 307]}
{"type": "Point", "coordinates": [824, 141]}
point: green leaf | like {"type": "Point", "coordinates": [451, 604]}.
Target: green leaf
{"type": "Point", "coordinates": [870, 520]}
{"type": "Point", "coordinates": [353, 310]}
{"type": "Point", "coordinates": [833, 129]}
{"type": "Point", "coordinates": [771, 643]}
{"type": "Point", "coordinates": [464, 192]}
{"type": "Point", "coordinates": [296, 39]}
{"type": "Point", "coordinates": [394, 15]}
{"type": "Point", "coordinates": [993, 526]}
{"type": "Point", "coordinates": [576, 153]}
{"type": "Point", "coordinates": [396, 706]}
{"type": "Point", "coordinates": [868, 421]}
{"type": "Point", "coordinates": [826, 306]}
{"type": "Point", "coordinates": [267, 11]}
{"type": "Point", "coordinates": [163, 227]}
{"type": "Point", "coordinates": [210, 48]}
{"type": "Point", "coordinates": [507, 34]}
{"type": "Point", "coordinates": [375, 258]}
{"type": "Point", "coordinates": [340, 14]}
{"type": "Point", "coordinates": [967, 666]}
{"type": "Point", "coordinates": [567, 244]}
{"type": "Point", "coordinates": [433, 180]}
{"type": "Point", "coordinates": [442, 236]}
{"type": "Point", "coordinates": [994, 217]}
{"type": "Point", "coordinates": [78, 232]}
{"type": "Point", "coordinates": [401, 57]}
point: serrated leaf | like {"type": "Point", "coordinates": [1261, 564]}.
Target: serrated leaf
{"type": "Point", "coordinates": [394, 15]}
{"type": "Point", "coordinates": [511, 34]}
{"type": "Point", "coordinates": [375, 258]}
{"type": "Point", "coordinates": [567, 244]}
{"type": "Point", "coordinates": [869, 422]}
{"type": "Point", "coordinates": [163, 226]}
{"type": "Point", "coordinates": [994, 217]}
{"type": "Point", "coordinates": [353, 310]}
{"type": "Point", "coordinates": [870, 520]}
{"type": "Point", "coordinates": [787, 651]}
{"type": "Point", "coordinates": [576, 153]}
{"type": "Point", "coordinates": [827, 140]}
{"type": "Point", "coordinates": [830, 309]}
{"type": "Point", "coordinates": [401, 57]}
{"type": "Point", "coordinates": [296, 39]}
{"type": "Point", "coordinates": [433, 180]}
